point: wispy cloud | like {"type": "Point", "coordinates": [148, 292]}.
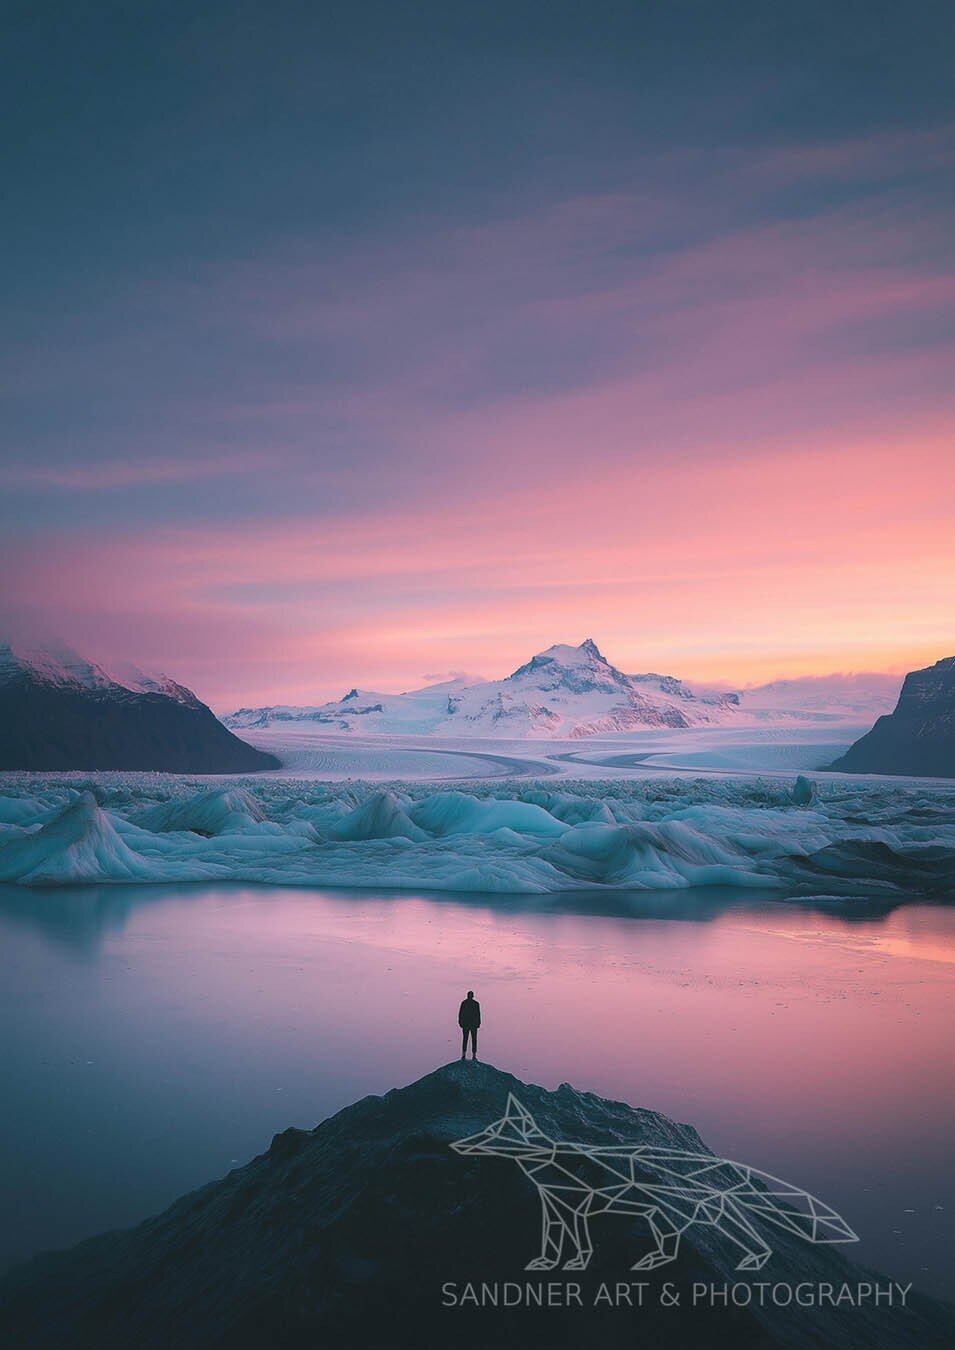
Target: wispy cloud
{"type": "Point", "coordinates": [115, 475]}
{"type": "Point", "coordinates": [707, 413]}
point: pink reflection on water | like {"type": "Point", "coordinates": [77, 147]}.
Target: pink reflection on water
{"type": "Point", "coordinates": [814, 1048]}
{"type": "Point", "coordinates": [756, 1026]}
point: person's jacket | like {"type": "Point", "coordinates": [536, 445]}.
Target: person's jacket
{"type": "Point", "coordinates": [469, 1014]}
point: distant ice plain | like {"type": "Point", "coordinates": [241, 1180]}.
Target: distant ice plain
{"type": "Point", "coordinates": [649, 811]}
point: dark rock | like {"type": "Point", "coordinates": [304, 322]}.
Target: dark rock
{"type": "Point", "coordinates": [345, 1235]}
{"type": "Point", "coordinates": [918, 738]}
{"type": "Point", "coordinates": [55, 726]}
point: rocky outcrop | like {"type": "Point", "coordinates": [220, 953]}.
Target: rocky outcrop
{"type": "Point", "coordinates": [367, 1231]}
{"type": "Point", "coordinates": [919, 736]}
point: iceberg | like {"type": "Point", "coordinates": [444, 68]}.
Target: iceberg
{"type": "Point", "coordinates": [212, 812]}
{"type": "Point", "coordinates": [79, 846]}
{"type": "Point", "coordinates": [857, 841]}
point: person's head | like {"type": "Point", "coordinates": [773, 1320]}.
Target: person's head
{"type": "Point", "coordinates": [470, 993]}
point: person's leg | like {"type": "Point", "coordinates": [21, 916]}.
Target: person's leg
{"type": "Point", "coordinates": [464, 1042]}
{"type": "Point", "coordinates": [474, 1042]}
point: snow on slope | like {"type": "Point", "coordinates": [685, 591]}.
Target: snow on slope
{"type": "Point", "coordinates": [564, 691]}
{"type": "Point", "coordinates": [56, 664]}
{"type": "Point", "coordinates": [53, 663]}
{"type": "Point", "coordinates": [569, 692]}
{"type": "Point", "coordinates": [61, 711]}
{"type": "Point", "coordinates": [418, 713]}
{"type": "Point", "coordinates": [845, 698]}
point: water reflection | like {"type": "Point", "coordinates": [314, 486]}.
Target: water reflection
{"type": "Point", "coordinates": [152, 1037]}
{"type": "Point", "coordinates": [80, 918]}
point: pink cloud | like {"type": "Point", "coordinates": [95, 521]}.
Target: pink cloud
{"type": "Point", "coordinates": [739, 568]}
{"type": "Point", "coordinates": [725, 459]}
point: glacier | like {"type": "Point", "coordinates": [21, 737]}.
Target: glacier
{"type": "Point", "coordinates": [788, 837]}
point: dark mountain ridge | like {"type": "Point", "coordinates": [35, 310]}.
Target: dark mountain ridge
{"type": "Point", "coordinates": [918, 738]}
{"type": "Point", "coordinates": [58, 711]}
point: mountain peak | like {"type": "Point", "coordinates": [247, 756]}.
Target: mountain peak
{"type": "Point", "coordinates": [54, 662]}
{"type": "Point", "coordinates": [587, 650]}
{"type": "Point", "coordinates": [583, 657]}
{"type": "Point", "coordinates": [564, 690]}
{"type": "Point", "coordinates": [59, 710]}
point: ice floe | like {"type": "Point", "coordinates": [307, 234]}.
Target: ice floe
{"type": "Point", "coordinates": [837, 839]}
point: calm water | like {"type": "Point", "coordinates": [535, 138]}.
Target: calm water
{"type": "Point", "coordinates": [151, 1039]}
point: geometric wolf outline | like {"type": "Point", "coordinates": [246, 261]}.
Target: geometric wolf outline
{"type": "Point", "coordinates": [578, 1181]}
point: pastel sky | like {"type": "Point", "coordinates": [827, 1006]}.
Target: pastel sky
{"type": "Point", "coordinates": [358, 343]}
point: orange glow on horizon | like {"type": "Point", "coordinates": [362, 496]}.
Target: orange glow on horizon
{"type": "Point", "coordinates": [738, 570]}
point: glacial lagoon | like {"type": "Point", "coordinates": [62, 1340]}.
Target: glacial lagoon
{"type": "Point", "coordinates": [153, 1037]}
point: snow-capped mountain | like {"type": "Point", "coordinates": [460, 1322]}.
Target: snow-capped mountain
{"type": "Point", "coordinates": [419, 712]}
{"type": "Point", "coordinates": [564, 691]}
{"type": "Point", "coordinates": [59, 710]}
{"type": "Point", "coordinates": [59, 666]}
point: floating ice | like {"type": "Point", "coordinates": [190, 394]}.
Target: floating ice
{"type": "Point", "coordinates": [79, 845]}
{"type": "Point", "coordinates": [211, 812]}
{"type": "Point", "coordinates": [382, 816]}
{"type": "Point", "coordinates": [839, 840]}
{"type": "Point", "coordinates": [447, 813]}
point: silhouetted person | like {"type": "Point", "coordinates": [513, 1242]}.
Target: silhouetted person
{"type": "Point", "coordinates": [469, 1019]}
